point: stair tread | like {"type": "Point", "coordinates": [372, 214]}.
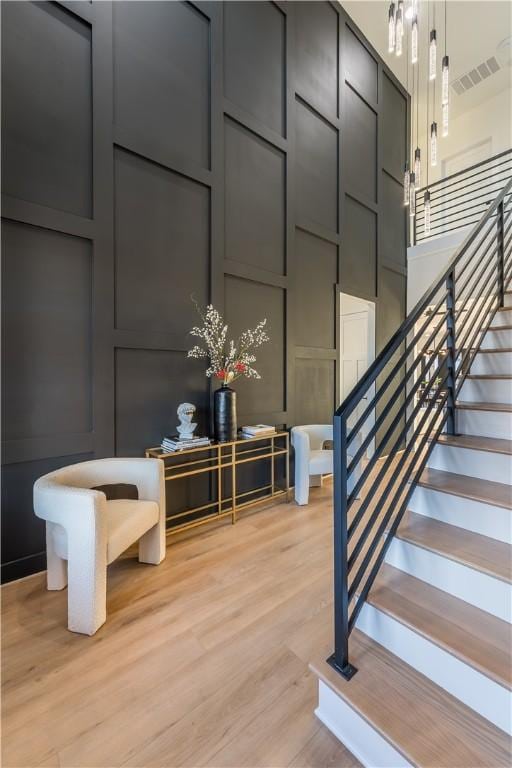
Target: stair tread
{"type": "Point", "coordinates": [490, 376]}
{"type": "Point", "coordinates": [480, 406]}
{"type": "Point", "coordinates": [472, 635]}
{"type": "Point", "coordinates": [493, 351]}
{"type": "Point", "coordinates": [471, 549]}
{"type": "Point", "coordinates": [427, 725]}
{"type": "Point", "coordinates": [487, 491]}
{"type": "Point", "coordinates": [493, 328]}
{"type": "Point", "coordinates": [477, 443]}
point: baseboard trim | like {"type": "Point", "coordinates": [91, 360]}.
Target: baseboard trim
{"type": "Point", "coordinates": [23, 567]}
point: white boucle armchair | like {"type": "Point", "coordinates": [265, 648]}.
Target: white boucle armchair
{"type": "Point", "coordinates": [85, 532]}
{"type": "Point", "coordinates": [312, 460]}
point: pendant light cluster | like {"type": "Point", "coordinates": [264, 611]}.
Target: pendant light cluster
{"type": "Point", "coordinates": [398, 38]}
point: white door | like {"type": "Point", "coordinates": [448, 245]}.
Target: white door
{"type": "Point", "coordinates": [357, 342]}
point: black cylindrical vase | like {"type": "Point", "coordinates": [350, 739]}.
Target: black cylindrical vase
{"type": "Point", "coordinates": [224, 409]}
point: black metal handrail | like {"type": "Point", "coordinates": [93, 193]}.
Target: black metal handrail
{"type": "Point", "coordinates": [459, 200]}
{"type": "Point", "coordinates": [386, 428]}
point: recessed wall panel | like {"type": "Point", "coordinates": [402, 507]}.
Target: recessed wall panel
{"type": "Point", "coordinates": [316, 275]}
{"type": "Point", "coordinates": [317, 55]}
{"type": "Point", "coordinates": [314, 391]}
{"type": "Point", "coordinates": [46, 107]}
{"type": "Point", "coordinates": [150, 384]}
{"type": "Point", "coordinates": [162, 76]}
{"type": "Point", "coordinates": [247, 303]}
{"type": "Point", "coordinates": [359, 146]}
{"type": "Point", "coordinates": [359, 250]}
{"type": "Point", "coordinates": [254, 60]}
{"type": "Point", "coordinates": [255, 223]}
{"type": "Point", "coordinates": [393, 222]}
{"type": "Point", "coordinates": [316, 169]}
{"type": "Point", "coordinates": [47, 330]}
{"type": "Point", "coordinates": [162, 246]}
{"type": "Point", "coordinates": [393, 126]}
{"type": "Point", "coordinates": [361, 69]}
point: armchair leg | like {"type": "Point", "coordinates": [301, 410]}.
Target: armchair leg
{"type": "Point", "coordinates": [301, 488]}
{"type": "Point", "coordinates": [152, 545]}
{"type": "Point", "coordinates": [87, 590]}
{"type": "Point", "coordinates": [56, 567]}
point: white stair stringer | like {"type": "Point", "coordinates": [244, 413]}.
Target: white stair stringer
{"type": "Point", "coordinates": [487, 697]}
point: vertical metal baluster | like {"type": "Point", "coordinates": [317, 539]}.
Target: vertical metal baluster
{"type": "Point", "coordinates": [339, 659]}
{"type": "Point", "coordinates": [451, 425]}
{"type": "Point", "coordinates": [501, 255]}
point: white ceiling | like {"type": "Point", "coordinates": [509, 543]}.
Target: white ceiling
{"type": "Point", "coordinates": [477, 30]}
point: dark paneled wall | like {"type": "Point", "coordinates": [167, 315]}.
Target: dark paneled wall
{"type": "Point", "coordinates": [249, 153]}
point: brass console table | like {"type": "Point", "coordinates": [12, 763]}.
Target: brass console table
{"type": "Point", "coordinates": [217, 457]}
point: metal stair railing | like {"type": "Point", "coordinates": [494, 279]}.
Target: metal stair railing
{"type": "Point", "coordinates": [400, 406]}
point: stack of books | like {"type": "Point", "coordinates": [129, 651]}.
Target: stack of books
{"type": "Point", "coordinates": [175, 443]}
{"type": "Point", "coordinates": [258, 430]}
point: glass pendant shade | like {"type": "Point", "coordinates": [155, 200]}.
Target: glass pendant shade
{"type": "Point", "coordinates": [445, 80]}
{"type": "Point", "coordinates": [426, 212]}
{"type": "Point", "coordinates": [412, 194]}
{"type": "Point", "coordinates": [417, 166]}
{"type": "Point", "coordinates": [432, 57]}
{"type": "Point", "coordinates": [433, 144]}
{"type": "Point", "coordinates": [406, 184]}
{"type": "Point", "coordinates": [414, 41]}
{"type": "Point", "coordinates": [391, 28]}
{"type": "Point", "coordinates": [445, 118]}
{"type": "Point", "coordinates": [399, 32]}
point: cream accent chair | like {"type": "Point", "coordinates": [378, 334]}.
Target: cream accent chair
{"type": "Point", "coordinates": [312, 460]}
{"type": "Point", "coordinates": [89, 532]}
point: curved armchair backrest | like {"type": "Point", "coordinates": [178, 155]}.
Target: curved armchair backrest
{"type": "Point", "coordinates": [317, 434]}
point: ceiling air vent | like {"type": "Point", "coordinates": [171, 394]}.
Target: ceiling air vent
{"type": "Point", "coordinates": [475, 76]}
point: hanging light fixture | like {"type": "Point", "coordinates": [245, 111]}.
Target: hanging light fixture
{"type": "Point", "coordinates": [426, 212]}
{"type": "Point", "coordinates": [445, 119]}
{"type": "Point", "coordinates": [432, 55]}
{"type": "Point", "coordinates": [414, 41]}
{"type": "Point", "coordinates": [445, 79]}
{"type": "Point", "coordinates": [445, 82]}
{"type": "Point", "coordinates": [391, 28]}
{"type": "Point", "coordinates": [406, 184]}
{"type": "Point", "coordinates": [399, 28]}
{"type": "Point", "coordinates": [412, 194]}
{"type": "Point", "coordinates": [433, 143]}
{"type": "Point", "coordinates": [417, 166]}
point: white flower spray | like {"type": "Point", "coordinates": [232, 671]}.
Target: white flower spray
{"type": "Point", "coordinates": [228, 360]}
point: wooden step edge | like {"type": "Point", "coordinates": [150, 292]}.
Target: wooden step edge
{"type": "Point", "coordinates": [490, 376]}
{"type": "Point", "coordinates": [493, 351]}
{"type": "Point", "coordinates": [406, 709]}
{"type": "Point", "coordinates": [493, 328]}
{"type": "Point", "coordinates": [467, 405]}
{"type": "Point", "coordinates": [433, 480]}
{"type": "Point", "coordinates": [449, 554]}
{"type": "Point", "coordinates": [477, 443]}
{"type": "Point", "coordinates": [451, 607]}
{"type": "Point", "coordinates": [504, 309]}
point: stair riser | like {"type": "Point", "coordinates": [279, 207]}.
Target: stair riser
{"type": "Point", "coordinates": [508, 300]}
{"type": "Point", "coordinates": [502, 318]}
{"type": "Point", "coordinates": [355, 732]}
{"type": "Point", "coordinates": [485, 465]}
{"type": "Point", "coordinates": [476, 588]}
{"type": "Point", "coordinates": [498, 363]}
{"type": "Point", "coordinates": [485, 696]}
{"type": "Point", "coordinates": [487, 520]}
{"type": "Point", "coordinates": [497, 339]}
{"type": "Point", "coordinates": [485, 423]}
{"type": "Point", "coordinates": [487, 391]}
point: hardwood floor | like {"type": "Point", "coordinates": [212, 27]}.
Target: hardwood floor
{"type": "Point", "coordinates": [203, 660]}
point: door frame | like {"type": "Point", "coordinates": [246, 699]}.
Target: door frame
{"type": "Point", "coordinates": [349, 304]}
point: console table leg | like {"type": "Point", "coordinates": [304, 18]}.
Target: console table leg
{"type": "Point", "coordinates": [233, 483]}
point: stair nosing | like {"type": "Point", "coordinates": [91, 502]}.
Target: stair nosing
{"type": "Point", "coordinates": [497, 376]}
{"type": "Point", "coordinates": [493, 328]}
{"type": "Point", "coordinates": [493, 351]}
{"type": "Point", "coordinates": [468, 405]}
{"type": "Point", "coordinates": [466, 494]}
{"type": "Point", "coordinates": [452, 442]}
{"type": "Point", "coordinates": [450, 555]}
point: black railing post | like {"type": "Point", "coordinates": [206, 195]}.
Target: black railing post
{"type": "Point", "coordinates": [451, 424]}
{"type": "Point", "coordinates": [339, 659]}
{"type": "Point", "coordinates": [500, 236]}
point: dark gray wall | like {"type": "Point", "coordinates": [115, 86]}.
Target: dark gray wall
{"type": "Point", "coordinates": [250, 153]}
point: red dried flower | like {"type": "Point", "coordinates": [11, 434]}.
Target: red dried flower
{"type": "Point", "coordinates": [240, 367]}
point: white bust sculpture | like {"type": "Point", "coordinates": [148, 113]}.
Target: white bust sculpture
{"type": "Point", "coordinates": [186, 427]}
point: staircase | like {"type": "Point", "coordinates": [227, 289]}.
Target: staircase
{"type": "Point", "coordinates": [423, 561]}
